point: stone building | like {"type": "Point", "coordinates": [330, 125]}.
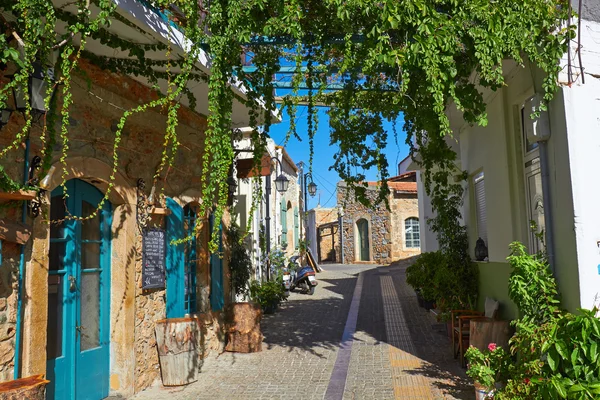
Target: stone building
{"type": "Point", "coordinates": [380, 235]}
{"type": "Point", "coordinates": [323, 242]}
{"type": "Point", "coordinates": [85, 318]}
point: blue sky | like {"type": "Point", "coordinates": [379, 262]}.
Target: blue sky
{"type": "Point", "coordinates": [326, 179]}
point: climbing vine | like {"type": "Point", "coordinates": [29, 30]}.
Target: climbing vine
{"type": "Point", "coordinates": [367, 60]}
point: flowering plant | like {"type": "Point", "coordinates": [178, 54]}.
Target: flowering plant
{"type": "Point", "coordinates": [488, 367]}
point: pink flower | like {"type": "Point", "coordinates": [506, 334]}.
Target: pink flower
{"type": "Point", "coordinates": [492, 346]}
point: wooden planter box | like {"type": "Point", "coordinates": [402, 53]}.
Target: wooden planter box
{"type": "Point", "coordinates": [30, 388]}
{"type": "Point", "coordinates": [176, 340]}
{"type": "Point", "coordinates": [243, 328]}
{"type": "Point", "coordinates": [483, 331]}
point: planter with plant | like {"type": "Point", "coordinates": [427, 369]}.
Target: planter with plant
{"type": "Point", "coordinates": [243, 318]}
{"type": "Point", "coordinates": [268, 294]}
{"type": "Point", "coordinates": [556, 351]}
{"type": "Point", "coordinates": [488, 369]}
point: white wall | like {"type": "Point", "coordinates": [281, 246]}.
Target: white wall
{"type": "Point", "coordinates": [428, 238]}
{"type": "Point", "coordinates": [582, 111]}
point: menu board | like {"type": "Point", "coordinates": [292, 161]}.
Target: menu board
{"type": "Point", "coordinates": [153, 259]}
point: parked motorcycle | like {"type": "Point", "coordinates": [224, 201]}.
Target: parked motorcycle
{"type": "Point", "coordinates": [302, 277]}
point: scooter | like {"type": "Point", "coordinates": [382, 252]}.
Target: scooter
{"type": "Point", "coordinates": [302, 277]}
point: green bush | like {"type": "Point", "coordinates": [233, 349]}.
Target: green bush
{"type": "Point", "coordinates": [240, 263]}
{"type": "Point", "coordinates": [268, 294]}
{"type": "Point", "coordinates": [451, 285]}
{"type": "Point", "coordinates": [420, 275]}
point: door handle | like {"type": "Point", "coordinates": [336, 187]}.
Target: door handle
{"type": "Point", "coordinates": [79, 328]}
{"type": "Point", "coordinates": [72, 284]}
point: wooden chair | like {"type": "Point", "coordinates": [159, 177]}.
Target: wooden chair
{"type": "Point", "coordinates": [460, 326]}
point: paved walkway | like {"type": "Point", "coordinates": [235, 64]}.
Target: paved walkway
{"type": "Point", "coordinates": [348, 341]}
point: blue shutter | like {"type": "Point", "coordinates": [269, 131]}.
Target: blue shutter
{"type": "Point", "coordinates": [175, 262]}
{"type": "Point", "coordinates": [217, 294]}
{"type": "Point", "coordinates": [296, 229]}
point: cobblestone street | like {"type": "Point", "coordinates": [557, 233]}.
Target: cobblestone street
{"type": "Point", "coordinates": [360, 336]}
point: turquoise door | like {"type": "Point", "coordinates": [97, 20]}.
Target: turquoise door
{"type": "Point", "coordinates": [78, 330]}
{"type": "Point", "coordinates": [217, 294]}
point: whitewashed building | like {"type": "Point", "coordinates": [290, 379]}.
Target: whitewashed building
{"type": "Point", "coordinates": [545, 170]}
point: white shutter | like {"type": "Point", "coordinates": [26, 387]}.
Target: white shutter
{"type": "Point", "coordinates": [480, 207]}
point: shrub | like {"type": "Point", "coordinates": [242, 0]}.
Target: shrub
{"type": "Point", "coordinates": [268, 294]}
{"type": "Point", "coordinates": [420, 275]}
{"type": "Point", "coordinates": [240, 263]}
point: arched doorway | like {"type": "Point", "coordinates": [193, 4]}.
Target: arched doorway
{"type": "Point", "coordinates": [78, 294]}
{"type": "Point", "coordinates": [362, 228]}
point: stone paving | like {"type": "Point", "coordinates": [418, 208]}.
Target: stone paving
{"type": "Point", "coordinates": [395, 352]}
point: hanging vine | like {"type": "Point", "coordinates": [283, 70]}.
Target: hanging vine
{"type": "Point", "coordinates": [385, 59]}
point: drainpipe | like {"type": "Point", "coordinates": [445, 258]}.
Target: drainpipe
{"type": "Point", "coordinates": [548, 216]}
{"type": "Point", "coordinates": [19, 328]}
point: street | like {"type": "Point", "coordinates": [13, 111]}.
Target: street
{"type": "Point", "coordinates": [360, 336]}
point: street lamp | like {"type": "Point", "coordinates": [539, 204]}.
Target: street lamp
{"type": "Point", "coordinates": [311, 188]}
{"type": "Point", "coordinates": [37, 87]}
{"type": "Point", "coordinates": [282, 183]}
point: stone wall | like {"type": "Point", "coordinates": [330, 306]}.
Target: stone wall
{"type": "Point", "coordinates": [379, 224]}
{"type": "Point", "coordinates": [329, 243]}
{"type": "Point", "coordinates": [94, 116]}
{"type": "Point", "coordinates": [403, 206]}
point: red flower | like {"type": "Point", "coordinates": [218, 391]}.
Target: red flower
{"type": "Point", "coordinates": [492, 346]}
{"type": "Point", "coordinates": [526, 380]}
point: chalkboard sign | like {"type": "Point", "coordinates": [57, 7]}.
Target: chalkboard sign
{"type": "Point", "coordinates": [153, 259]}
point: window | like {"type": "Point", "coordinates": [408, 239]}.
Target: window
{"type": "Point", "coordinates": [480, 211]}
{"type": "Point", "coordinates": [412, 232]}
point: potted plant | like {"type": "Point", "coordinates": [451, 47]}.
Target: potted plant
{"type": "Point", "coordinates": [268, 294]}
{"type": "Point", "coordinates": [488, 368]}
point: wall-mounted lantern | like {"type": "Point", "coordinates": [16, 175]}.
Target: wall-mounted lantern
{"type": "Point", "coordinates": [481, 250]}
{"type": "Point", "coordinates": [37, 87]}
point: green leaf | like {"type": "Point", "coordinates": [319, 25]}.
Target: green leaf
{"type": "Point", "coordinates": [561, 347]}
{"type": "Point", "coordinates": [560, 389]}
{"type": "Point", "coordinates": [553, 359]}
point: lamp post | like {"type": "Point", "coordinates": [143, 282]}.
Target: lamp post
{"type": "Point", "coordinates": [311, 188]}
{"type": "Point", "coordinates": [281, 184]}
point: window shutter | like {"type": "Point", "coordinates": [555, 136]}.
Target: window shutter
{"type": "Point", "coordinates": [283, 223]}
{"type": "Point", "coordinates": [296, 228]}
{"type": "Point", "coordinates": [175, 261]}
{"type": "Point", "coordinates": [480, 209]}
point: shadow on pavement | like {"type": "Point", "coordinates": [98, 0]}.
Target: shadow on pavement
{"type": "Point", "coordinates": [313, 323]}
